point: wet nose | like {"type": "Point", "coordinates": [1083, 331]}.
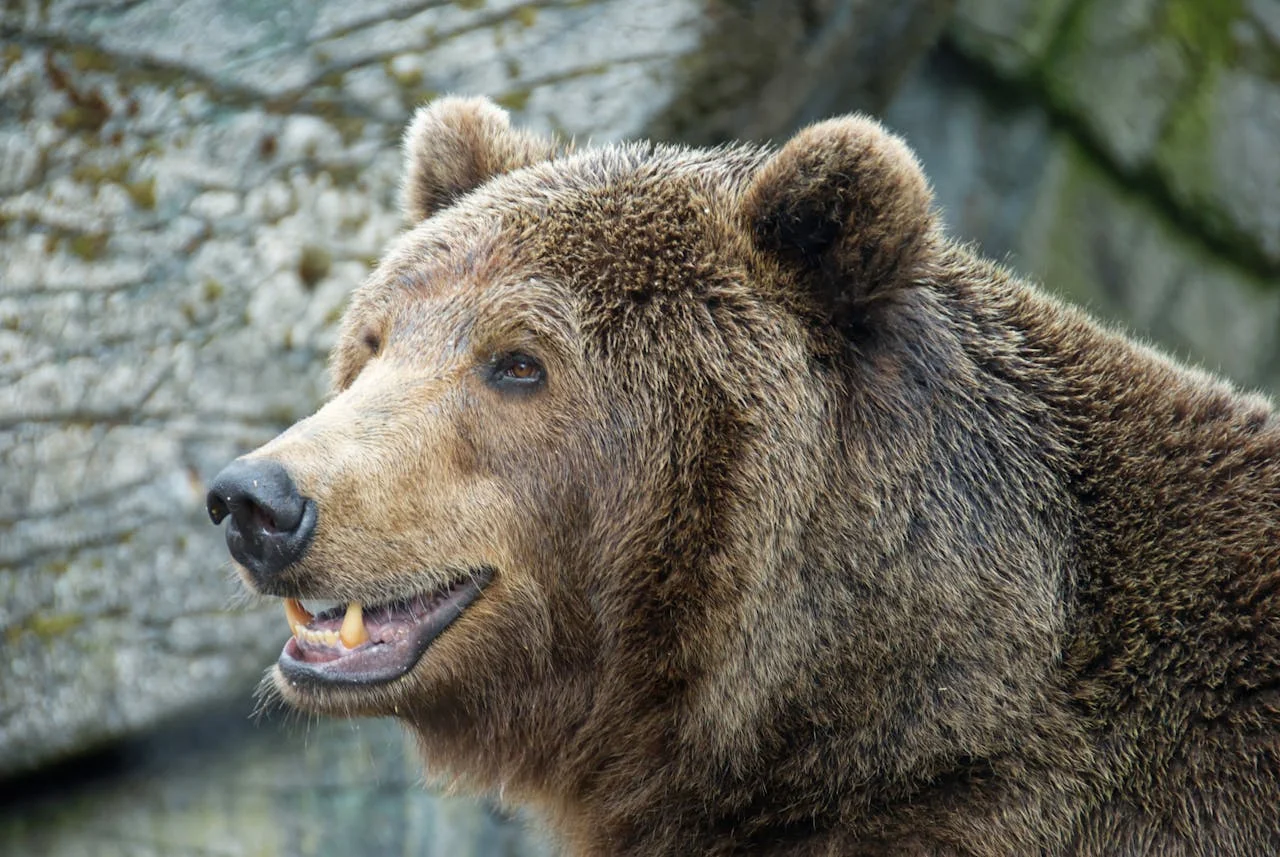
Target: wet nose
{"type": "Point", "coordinates": [271, 523]}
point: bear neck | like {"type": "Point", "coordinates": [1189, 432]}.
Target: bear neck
{"type": "Point", "coordinates": [937, 628]}
{"type": "Point", "coordinates": [896, 632]}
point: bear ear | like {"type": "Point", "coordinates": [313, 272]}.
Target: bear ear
{"type": "Point", "coordinates": [454, 145]}
{"type": "Point", "coordinates": [845, 206]}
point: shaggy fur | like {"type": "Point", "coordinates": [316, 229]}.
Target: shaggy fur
{"type": "Point", "coordinates": [822, 536]}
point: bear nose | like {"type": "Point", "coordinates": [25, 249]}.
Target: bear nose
{"type": "Point", "coordinates": [271, 523]}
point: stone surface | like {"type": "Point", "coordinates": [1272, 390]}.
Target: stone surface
{"type": "Point", "coordinates": [1121, 70]}
{"type": "Point", "coordinates": [188, 191]}
{"type": "Point", "coordinates": [223, 785]}
{"type": "Point", "coordinates": [1013, 36]}
{"type": "Point", "coordinates": [791, 63]}
{"type": "Point", "coordinates": [1180, 95]}
{"type": "Point", "coordinates": [1030, 193]}
{"type": "Point", "coordinates": [1224, 159]}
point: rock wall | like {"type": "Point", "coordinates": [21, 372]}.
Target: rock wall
{"type": "Point", "coordinates": [1124, 152]}
{"type": "Point", "coordinates": [222, 785]}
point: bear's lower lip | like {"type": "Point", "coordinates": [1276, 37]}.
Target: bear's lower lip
{"type": "Point", "coordinates": [399, 634]}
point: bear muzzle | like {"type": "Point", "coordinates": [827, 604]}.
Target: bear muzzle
{"type": "Point", "coordinates": [365, 645]}
{"type": "Point", "coordinates": [271, 524]}
{"type": "Point", "coordinates": [270, 527]}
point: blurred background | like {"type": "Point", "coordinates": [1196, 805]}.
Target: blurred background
{"type": "Point", "coordinates": [189, 189]}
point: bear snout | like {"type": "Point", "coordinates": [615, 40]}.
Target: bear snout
{"type": "Point", "coordinates": [271, 522]}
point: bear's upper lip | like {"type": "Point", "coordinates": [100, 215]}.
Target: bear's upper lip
{"type": "Point", "coordinates": [360, 645]}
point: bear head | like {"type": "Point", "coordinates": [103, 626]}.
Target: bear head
{"type": "Point", "coordinates": [626, 459]}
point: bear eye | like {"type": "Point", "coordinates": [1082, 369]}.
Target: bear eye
{"type": "Point", "coordinates": [516, 372]}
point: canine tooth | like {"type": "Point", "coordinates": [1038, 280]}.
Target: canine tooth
{"type": "Point", "coordinates": [296, 614]}
{"type": "Point", "coordinates": [353, 631]}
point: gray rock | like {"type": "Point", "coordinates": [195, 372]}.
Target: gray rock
{"type": "Point", "coordinates": [788, 64]}
{"type": "Point", "coordinates": [225, 786]}
{"type": "Point", "coordinates": [983, 158]}
{"type": "Point", "coordinates": [1121, 70]}
{"type": "Point", "coordinates": [1013, 36]}
{"type": "Point", "coordinates": [1036, 197]}
{"type": "Point", "coordinates": [1181, 96]}
{"type": "Point", "coordinates": [1266, 14]}
{"type": "Point", "coordinates": [1223, 158]}
{"type": "Point", "coordinates": [188, 191]}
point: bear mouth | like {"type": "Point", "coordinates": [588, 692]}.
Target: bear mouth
{"type": "Point", "coordinates": [367, 645]}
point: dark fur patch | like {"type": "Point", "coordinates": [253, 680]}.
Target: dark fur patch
{"type": "Point", "coordinates": [846, 208]}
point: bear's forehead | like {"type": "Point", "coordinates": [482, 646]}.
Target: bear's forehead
{"type": "Point", "coordinates": [625, 221]}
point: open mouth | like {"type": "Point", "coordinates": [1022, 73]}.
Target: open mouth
{"type": "Point", "coordinates": [359, 645]}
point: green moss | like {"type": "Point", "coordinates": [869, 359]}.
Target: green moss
{"type": "Point", "coordinates": [87, 118]}
{"type": "Point", "coordinates": [350, 128]}
{"type": "Point", "coordinates": [526, 15]}
{"type": "Point", "coordinates": [281, 415]}
{"type": "Point", "coordinates": [422, 95]}
{"type": "Point", "coordinates": [1183, 157]}
{"type": "Point", "coordinates": [469, 4]}
{"type": "Point", "coordinates": [94, 174]}
{"type": "Point", "coordinates": [344, 175]}
{"type": "Point", "coordinates": [88, 245]}
{"type": "Point", "coordinates": [212, 290]}
{"type": "Point", "coordinates": [406, 78]}
{"type": "Point", "coordinates": [51, 626]}
{"type": "Point", "coordinates": [1189, 137]}
{"type": "Point", "coordinates": [1202, 29]}
{"type": "Point", "coordinates": [314, 265]}
{"type": "Point", "coordinates": [516, 99]}
{"type": "Point", "coordinates": [11, 323]}
{"type": "Point", "coordinates": [143, 193]}
{"type": "Point", "coordinates": [87, 59]}
{"type": "Point", "coordinates": [353, 222]}
{"type": "Point", "coordinates": [333, 77]}
{"type": "Point", "coordinates": [1076, 192]}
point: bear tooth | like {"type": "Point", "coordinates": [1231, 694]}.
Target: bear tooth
{"type": "Point", "coordinates": [353, 630]}
{"type": "Point", "coordinates": [296, 614]}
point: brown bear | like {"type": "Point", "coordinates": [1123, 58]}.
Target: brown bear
{"type": "Point", "coordinates": [715, 502]}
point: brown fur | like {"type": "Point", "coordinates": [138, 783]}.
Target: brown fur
{"type": "Point", "coordinates": [823, 536]}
